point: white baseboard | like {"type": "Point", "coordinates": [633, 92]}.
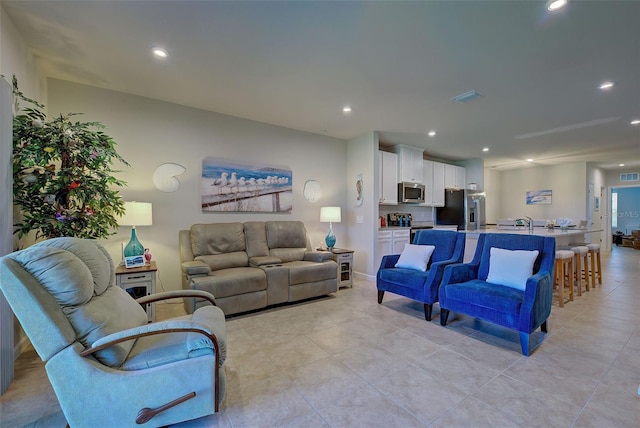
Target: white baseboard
{"type": "Point", "coordinates": [364, 276]}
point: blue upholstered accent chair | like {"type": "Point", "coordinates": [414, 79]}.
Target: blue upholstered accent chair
{"type": "Point", "coordinates": [415, 284]}
{"type": "Point", "coordinates": [107, 365]}
{"type": "Point", "coordinates": [465, 289]}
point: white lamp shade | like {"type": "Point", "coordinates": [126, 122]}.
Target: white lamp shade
{"type": "Point", "coordinates": [330, 214]}
{"type": "Point", "coordinates": [137, 214]}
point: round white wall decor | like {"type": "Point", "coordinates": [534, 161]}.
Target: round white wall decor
{"type": "Point", "coordinates": [312, 192]}
{"type": "Point", "coordinates": [164, 177]}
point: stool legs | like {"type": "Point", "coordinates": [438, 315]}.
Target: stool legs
{"type": "Point", "coordinates": [595, 267]}
{"type": "Point", "coordinates": [599, 268]}
{"type": "Point", "coordinates": [564, 270]}
{"type": "Point", "coordinates": [581, 262]}
{"type": "Point", "coordinates": [578, 261]}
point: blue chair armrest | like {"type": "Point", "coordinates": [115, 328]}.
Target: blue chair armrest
{"type": "Point", "coordinates": [459, 272]}
{"type": "Point", "coordinates": [389, 261]}
{"type": "Point", "coordinates": [536, 306]}
{"type": "Point", "coordinates": [436, 270]}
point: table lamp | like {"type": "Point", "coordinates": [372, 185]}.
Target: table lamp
{"type": "Point", "coordinates": [135, 214]}
{"type": "Point", "coordinates": [330, 215]}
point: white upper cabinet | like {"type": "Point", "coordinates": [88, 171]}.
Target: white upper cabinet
{"type": "Point", "coordinates": [437, 196]}
{"type": "Point", "coordinates": [454, 177]}
{"type": "Point", "coordinates": [433, 179]}
{"type": "Point", "coordinates": [388, 179]}
{"type": "Point", "coordinates": [409, 164]}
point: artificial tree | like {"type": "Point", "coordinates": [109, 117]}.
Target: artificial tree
{"type": "Point", "coordinates": [62, 174]}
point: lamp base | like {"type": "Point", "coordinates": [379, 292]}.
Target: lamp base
{"type": "Point", "coordinates": [133, 247]}
{"type": "Point", "coordinates": [330, 239]}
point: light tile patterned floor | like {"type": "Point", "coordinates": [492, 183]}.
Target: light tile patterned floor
{"type": "Point", "coordinates": [345, 361]}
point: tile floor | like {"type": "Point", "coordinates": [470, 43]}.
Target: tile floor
{"type": "Point", "coordinates": [345, 361]}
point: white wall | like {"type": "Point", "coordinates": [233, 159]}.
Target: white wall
{"type": "Point", "coordinates": [363, 237]}
{"type": "Point", "coordinates": [150, 133]}
{"type": "Point", "coordinates": [474, 172]}
{"type": "Point", "coordinates": [15, 59]}
{"type": "Point", "coordinates": [492, 190]}
{"type": "Point", "coordinates": [612, 177]}
{"type": "Point", "coordinates": [568, 183]}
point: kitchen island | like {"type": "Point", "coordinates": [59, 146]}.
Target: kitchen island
{"type": "Point", "coordinates": [562, 237]}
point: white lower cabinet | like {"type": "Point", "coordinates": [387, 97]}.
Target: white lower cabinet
{"type": "Point", "coordinates": [400, 237]}
{"type": "Point", "coordinates": [391, 242]}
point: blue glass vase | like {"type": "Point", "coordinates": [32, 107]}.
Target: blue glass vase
{"type": "Point", "coordinates": [134, 247]}
{"type": "Point", "coordinates": [330, 239]}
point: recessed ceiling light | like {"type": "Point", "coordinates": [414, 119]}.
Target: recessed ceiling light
{"type": "Point", "coordinates": [606, 85]}
{"type": "Point", "coordinates": [432, 133]}
{"type": "Point", "coordinates": [553, 5]}
{"type": "Point", "coordinates": [160, 53]}
{"type": "Point", "coordinates": [485, 149]}
{"type": "Point", "coordinates": [529, 160]}
{"type": "Point", "coordinates": [346, 109]}
{"type": "Point", "coordinates": [635, 122]}
{"type": "Point", "coordinates": [620, 164]}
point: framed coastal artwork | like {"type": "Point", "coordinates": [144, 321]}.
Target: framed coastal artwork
{"type": "Point", "coordinates": [234, 186]}
{"type": "Point", "coordinates": [539, 197]}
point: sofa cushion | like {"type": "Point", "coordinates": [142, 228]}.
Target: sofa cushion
{"type": "Point", "coordinates": [511, 268]}
{"type": "Point", "coordinates": [286, 234]}
{"type": "Point", "coordinates": [415, 257]}
{"type": "Point", "coordinates": [256, 239]}
{"type": "Point", "coordinates": [288, 254]}
{"type": "Point", "coordinates": [404, 277]}
{"type": "Point", "coordinates": [483, 294]}
{"type": "Point", "coordinates": [301, 272]}
{"type": "Point", "coordinates": [217, 238]}
{"type": "Point", "coordinates": [225, 261]}
{"type": "Point", "coordinates": [231, 282]}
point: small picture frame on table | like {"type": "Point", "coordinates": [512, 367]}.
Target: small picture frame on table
{"type": "Point", "coordinates": [134, 261]}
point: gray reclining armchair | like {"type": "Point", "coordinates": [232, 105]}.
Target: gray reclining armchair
{"type": "Point", "coordinates": [107, 366]}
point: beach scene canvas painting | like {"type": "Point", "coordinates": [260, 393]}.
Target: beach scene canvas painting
{"type": "Point", "coordinates": [231, 186]}
{"type": "Point", "coordinates": [539, 197]}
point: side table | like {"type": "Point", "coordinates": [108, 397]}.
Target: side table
{"type": "Point", "coordinates": [139, 282]}
{"type": "Point", "coordinates": [344, 258]}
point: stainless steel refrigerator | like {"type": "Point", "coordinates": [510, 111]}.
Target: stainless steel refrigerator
{"type": "Point", "coordinates": [463, 208]}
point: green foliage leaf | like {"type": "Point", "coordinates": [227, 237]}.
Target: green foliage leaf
{"type": "Point", "coordinates": [62, 174]}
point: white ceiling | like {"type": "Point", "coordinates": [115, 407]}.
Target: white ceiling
{"type": "Point", "coordinates": [397, 64]}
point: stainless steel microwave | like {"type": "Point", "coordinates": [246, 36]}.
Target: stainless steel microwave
{"type": "Point", "coordinates": [412, 193]}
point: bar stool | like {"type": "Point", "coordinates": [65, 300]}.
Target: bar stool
{"type": "Point", "coordinates": [596, 268]}
{"type": "Point", "coordinates": [581, 261]}
{"type": "Point", "coordinates": [564, 269]}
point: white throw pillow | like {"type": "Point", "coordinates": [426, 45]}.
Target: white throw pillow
{"type": "Point", "coordinates": [511, 268]}
{"type": "Point", "coordinates": [415, 257]}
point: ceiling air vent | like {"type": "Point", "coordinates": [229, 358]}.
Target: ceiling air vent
{"type": "Point", "coordinates": [466, 97]}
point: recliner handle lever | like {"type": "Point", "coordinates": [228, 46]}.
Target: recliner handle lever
{"type": "Point", "coordinates": [146, 414]}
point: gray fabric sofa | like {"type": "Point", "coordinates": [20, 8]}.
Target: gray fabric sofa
{"type": "Point", "coordinates": [252, 265]}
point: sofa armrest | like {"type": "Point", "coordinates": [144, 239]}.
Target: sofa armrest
{"type": "Point", "coordinates": [317, 256]}
{"type": "Point", "coordinates": [389, 261]}
{"type": "Point", "coordinates": [156, 297]}
{"type": "Point", "coordinates": [196, 268]}
{"type": "Point", "coordinates": [161, 327]}
{"type": "Point", "coordinates": [459, 272]}
{"type": "Point", "coordinates": [263, 260]}
{"type": "Point", "coordinates": [436, 271]}
{"type": "Point", "coordinates": [536, 305]}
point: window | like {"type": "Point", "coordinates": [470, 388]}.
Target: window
{"type": "Point", "coordinates": [629, 176]}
